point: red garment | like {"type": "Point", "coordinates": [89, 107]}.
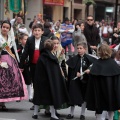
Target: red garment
{"type": "Point", "coordinates": [36, 56]}
{"type": "Point", "coordinates": [105, 35]}
{"type": "Point", "coordinates": [112, 46]}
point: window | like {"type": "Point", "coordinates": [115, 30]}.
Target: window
{"type": "Point", "coordinates": [78, 1]}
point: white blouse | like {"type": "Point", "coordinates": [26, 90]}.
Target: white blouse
{"type": "Point", "coordinates": [37, 43]}
{"type": "Point", "coordinates": [11, 43]}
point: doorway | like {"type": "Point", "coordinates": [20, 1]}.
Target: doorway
{"type": "Point", "coordinates": [47, 13]}
{"type": "Point", "coordinates": [77, 14]}
{"type": "Point", "coordinates": [65, 12]}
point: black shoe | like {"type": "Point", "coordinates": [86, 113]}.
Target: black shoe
{"type": "Point", "coordinates": [82, 117]}
{"type": "Point", "coordinates": [32, 108]}
{"type": "Point", "coordinates": [30, 100]}
{"type": "Point", "coordinates": [69, 116]}
{"type": "Point", "coordinates": [3, 108]}
{"type": "Point", "coordinates": [47, 113]}
{"type": "Point", "coordinates": [18, 101]}
{"type": "Point", "coordinates": [56, 119]}
{"type": "Point", "coordinates": [35, 116]}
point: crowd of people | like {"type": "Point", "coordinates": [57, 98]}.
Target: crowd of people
{"type": "Point", "coordinates": [61, 65]}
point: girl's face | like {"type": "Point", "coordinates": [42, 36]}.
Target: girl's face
{"type": "Point", "coordinates": [77, 26]}
{"type": "Point", "coordinates": [56, 44]}
{"type": "Point", "coordinates": [24, 40]}
{"type": "Point", "coordinates": [58, 24]}
{"type": "Point", "coordinates": [81, 50]}
{"type": "Point", "coordinates": [82, 27]}
{"type": "Point", "coordinates": [5, 28]}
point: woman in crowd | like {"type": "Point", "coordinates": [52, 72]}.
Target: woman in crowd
{"type": "Point", "coordinates": [56, 26]}
{"type": "Point", "coordinates": [47, 30]}
{"type": "Point", "coordinates": [78, 35]}
{"type": "Point", "coordinates": [116, 34]}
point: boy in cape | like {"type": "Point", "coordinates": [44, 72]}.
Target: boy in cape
{"type": "Point", "coordinates": [78, 69]}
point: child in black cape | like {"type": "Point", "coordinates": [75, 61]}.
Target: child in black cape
{"type": "Point", "coordinates": [50, 88]}
{"type": "Point", "coordinates": [77, 88]}
{"type": "Point", "coordinates": [103, 92]}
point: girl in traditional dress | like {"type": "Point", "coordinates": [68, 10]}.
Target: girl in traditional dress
{"type": "Point", "coordinates": [12, 86]}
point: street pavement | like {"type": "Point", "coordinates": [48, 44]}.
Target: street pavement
{"type": "Point", "coordinates": [21, 111]}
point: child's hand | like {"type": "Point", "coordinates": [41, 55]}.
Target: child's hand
{"type": "Point", "coordinates": [78, 74]}
{"type": "Point", "coordinates": [63, 51]}
{"type": "Point", "coordinates": [115, 29]}
{"type": "Point", "coordinates": [115, 35]}
{"type": "Point", "coordinates": [66, 30]}
{"type": "Point", "coordinates": [77, 26]}
{"type": "Point", "coordinates": [87, 71]}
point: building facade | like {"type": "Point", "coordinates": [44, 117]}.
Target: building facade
{"type": "Point", "coordinates": [73, 9]}
{"type": "Point", "coordinates": [105, 9]}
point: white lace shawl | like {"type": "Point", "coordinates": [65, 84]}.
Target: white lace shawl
{"type": "Point", "coordinates": [11, 43]}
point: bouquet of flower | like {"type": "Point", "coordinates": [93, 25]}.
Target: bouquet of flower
{"type": "Point", "coordinates": [7, 48]}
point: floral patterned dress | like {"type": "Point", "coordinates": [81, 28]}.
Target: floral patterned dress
{"type": "Point", "coordinates": [12, 86]}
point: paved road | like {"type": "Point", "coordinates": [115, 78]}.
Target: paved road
{"type": "Point", "coordinates": [20, 111]}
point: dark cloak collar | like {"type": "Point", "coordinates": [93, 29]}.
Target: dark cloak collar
{"type": "Point", "coordinates": [72, 62]}
{"type": "Point", "coordinates": [105, 67]}
{"type": "Point", "coordinates": [47, 54]}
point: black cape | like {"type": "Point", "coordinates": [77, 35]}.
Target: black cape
{"type": "Point", "coordinates": [50, 87]}
{"type": "Point", "coordinates": [77, 88]}
{"type": "Point", "coordinates": [103, 91]}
